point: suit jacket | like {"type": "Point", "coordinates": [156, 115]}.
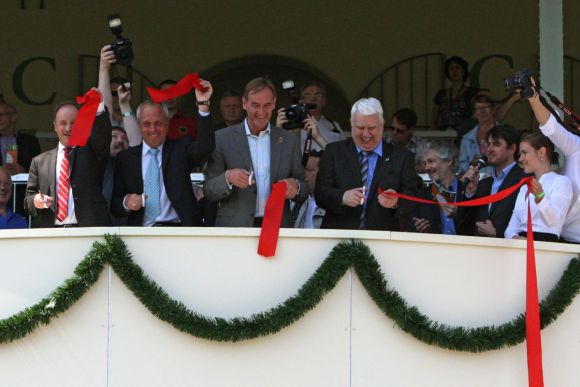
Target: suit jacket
{"type": "Point", "coordinates": [86, 179]}
{"type": "Point", "coordinates": [178, 158]}
{"type": "Point", "coordinates": [238, 206]}
{"type": "Point", "coordinates": [340, 172]}
{"type": "Point", "coordinates": [499, 213]}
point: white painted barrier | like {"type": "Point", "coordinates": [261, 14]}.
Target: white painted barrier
{"type": "Point", "coordinates": [110, 339]}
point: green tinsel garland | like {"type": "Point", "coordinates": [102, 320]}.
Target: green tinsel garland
{"type": "Point", "coordinates": [355, 253]}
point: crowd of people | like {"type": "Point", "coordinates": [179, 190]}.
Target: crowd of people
{"type": "Point", "coordinates": [135, 167]}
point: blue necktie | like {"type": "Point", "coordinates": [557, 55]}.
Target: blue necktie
{"type": "Point", "coordinates": [363, 159]}
{"type": "Point", "coordinates": [153, 203]}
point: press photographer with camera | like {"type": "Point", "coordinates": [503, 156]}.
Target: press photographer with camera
{"type": "Point", "coordinates": [308, 108]}
{"type": "Point", "coordinates": [569, 145]}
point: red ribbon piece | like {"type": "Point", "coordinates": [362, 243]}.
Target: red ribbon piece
{"type": "Point", "coordinates": [533, 335]}
{"type": "Point", "coordinates": [500, 195]}
{"type": "Point", "coordinates": [272, 220]}
{"type": "Point", "coordinates": [184, 86]}
{"type": "Point", "coordinates": [85, 118]}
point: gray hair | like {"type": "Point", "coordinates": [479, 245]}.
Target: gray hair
{"type": "Point", "coordinates": [444, 150]}
{"type": "Point", "coordinates": [151, 103]}
{"type": "Point", "coordinates": [367, 107]}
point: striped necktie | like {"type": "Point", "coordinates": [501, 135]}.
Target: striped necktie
{"type": "Point", "coordinates": [363, 159]}
{"type": "Point", "coordinates": [63, 186]}
{"type": "Point", "coordinates": [153, 206]}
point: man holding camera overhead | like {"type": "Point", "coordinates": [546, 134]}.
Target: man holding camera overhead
{"type": "Point", "coordinates": [249, 158]}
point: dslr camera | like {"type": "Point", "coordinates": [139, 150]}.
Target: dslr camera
{"type": "Point", "coordinates": [122, 47]}
{"type": "Point", "coordinates": [297, 112]}
{"type": "Point", "coordinates": [522, 81]}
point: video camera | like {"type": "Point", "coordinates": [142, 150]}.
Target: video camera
{"type": "Point", "coordinates": [122, 47]}
{"type": "Point", "coordinates": [522, 80]}
{"type": "Point", "coordinates": [297, 112]}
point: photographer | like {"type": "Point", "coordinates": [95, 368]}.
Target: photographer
{"type": "Point", "coordinates": [124, 96]}
{"type": "Point", "coordinates": [569, 144]}
{"type": "Point", "coordinates": [313, 96]}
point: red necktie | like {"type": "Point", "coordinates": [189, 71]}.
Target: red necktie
{"type": "Point", "coordinates": [63, 186]}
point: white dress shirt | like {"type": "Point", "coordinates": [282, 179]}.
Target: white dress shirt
{"type": "Point", "coordinates": [569, 144]}
{"type": "Point", "coordinates": [549, 215]}
{"type": "Point", "coordinates": [260, 152]}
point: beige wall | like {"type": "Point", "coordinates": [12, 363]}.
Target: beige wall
{"type": "Point", "coordinates": [349, 41]}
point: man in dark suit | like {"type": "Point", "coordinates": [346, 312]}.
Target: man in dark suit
{"type": "Point", "coordinates": [152, 184]}
{"type": "Point", "coordinates": [352, 171]}
{"type": "Point", "coordinates": [82, 203]}
{"type": "Point", "coordinates": [492, 220]}
{"type": "Point", "coordinates": [249, 158]}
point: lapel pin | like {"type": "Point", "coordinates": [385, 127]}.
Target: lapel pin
{"type": "Point", "coordinates": [387, 159]}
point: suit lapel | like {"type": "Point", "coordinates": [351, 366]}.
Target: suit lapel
{"type": "Point", "coordinates": [136, 162]}
{"type": "Point", "coordinates": [276, 144]}
{"type": "Point", "coordinates": [509, 180]}
{"type": "Point", "coordinates": [240, 137]}
{"type": "Point", "coordinates": [167, 149]}
{"type": "Point", "coordinates": [381, 168]}
{"type": "Point", "coordinates": [51, 173]}
{"type": "Point", "coordinates": [352, 163]}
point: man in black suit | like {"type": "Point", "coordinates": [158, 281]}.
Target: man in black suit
{"type": "Point", "coordinates": [81, 203]}
{"type": "Point", "coordinates": [352, 171]}
{"type": "Point", "coordinates": [492, 220]}
{"type": "Point", "coordinates": [161, 194]}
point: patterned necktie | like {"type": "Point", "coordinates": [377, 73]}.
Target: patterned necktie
{"type": "Point", "coordinates": [63, 186]}
{"type": "Point", "coordinates": [153, 203]}
{"type": "Point", "coordinates": [363, 159]}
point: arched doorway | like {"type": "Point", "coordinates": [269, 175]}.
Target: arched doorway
{"type": "Point", "coordinates": [235, 73]}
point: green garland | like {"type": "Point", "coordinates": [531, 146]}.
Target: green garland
{"type": "Point", "coordinates": [345, 254]}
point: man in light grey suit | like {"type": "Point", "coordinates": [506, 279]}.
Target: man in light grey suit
{"type": "Point", "coordinates": [249, 158]}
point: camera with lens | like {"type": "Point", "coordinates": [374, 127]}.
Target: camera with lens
{"type": "Point", "coordinates": [297, 112]}
{"type": "Point", "coordinates": [122, 47]}
{"type": "Point", "coordinates": [522, 81]}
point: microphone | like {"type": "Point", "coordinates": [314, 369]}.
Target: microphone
{"type": "Point", "coordinates": [479, 161]}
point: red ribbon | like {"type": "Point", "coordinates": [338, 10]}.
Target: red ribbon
{"type": "Point", "coordinates": [85, 118]}
{"type": "Point", "coordinates": [500, 195]}
{"type": "Point", "coordinates": [272, 220]}
{"type": "Point", "coordinates": [533, 336]}
{"type": "Point", "coordinates": [184, 86]}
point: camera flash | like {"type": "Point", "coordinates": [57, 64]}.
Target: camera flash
{"type": "Point", "coordinates": [287, 85]}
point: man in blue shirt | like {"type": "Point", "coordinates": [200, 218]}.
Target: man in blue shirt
{"type": "Point", "coordinates": [439, 158]}
{"type": "Point", "coordinates": [8, 219]}
{"type": "Point", "coordinates": [491, 220]}
{"type": "Point", "coordinates": [354, 171]}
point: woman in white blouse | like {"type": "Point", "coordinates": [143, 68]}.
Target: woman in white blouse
{"type": "Point", "coordinates": [550, 194]}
